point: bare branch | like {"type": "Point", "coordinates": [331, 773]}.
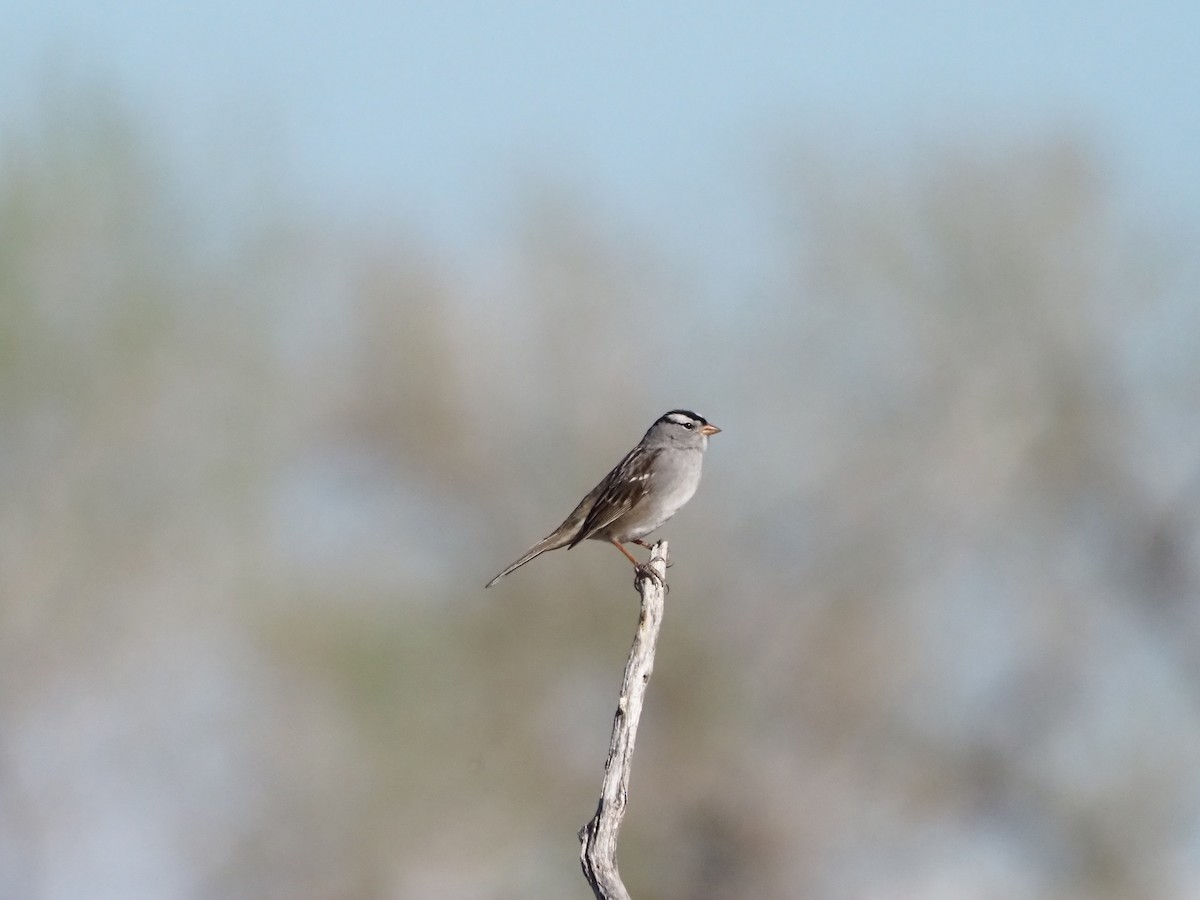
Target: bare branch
{"type": "Point", "coordinates": [598, 838]}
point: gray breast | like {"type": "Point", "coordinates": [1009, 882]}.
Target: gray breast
{"type": "Point", "coordinates": [674, 481]}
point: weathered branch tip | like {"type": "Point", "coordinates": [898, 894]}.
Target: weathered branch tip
{"type": "Point", "coordinates": [598, 838]}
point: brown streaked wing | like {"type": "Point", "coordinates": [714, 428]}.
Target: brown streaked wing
{"type": "Point", "coordinates": [624, 488]}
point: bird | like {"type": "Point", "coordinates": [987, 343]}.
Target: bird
{"type": "Point", "coordinates": [645, 489]}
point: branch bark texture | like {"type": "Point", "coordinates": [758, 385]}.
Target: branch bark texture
{"type": "Point", "coordinates": [598, 838]}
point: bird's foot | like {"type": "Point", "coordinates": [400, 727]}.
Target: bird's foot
{"type": "Point", "coordinates": [642, 543]}
{"type": "Point", "coordinates": [646, 571]}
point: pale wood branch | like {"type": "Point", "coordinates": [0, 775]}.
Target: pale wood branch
{"type": "Point", "coordinates": [598, 838]}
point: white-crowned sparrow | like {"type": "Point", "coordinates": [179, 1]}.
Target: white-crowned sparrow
{"type": "Point", "coordinates": [652, 483]}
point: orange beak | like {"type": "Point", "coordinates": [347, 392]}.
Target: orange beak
{"type": "Point", "coordinates": [708, 430]}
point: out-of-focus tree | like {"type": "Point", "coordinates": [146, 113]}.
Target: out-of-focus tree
{"type": "Point", "coordinates": [928, 628]}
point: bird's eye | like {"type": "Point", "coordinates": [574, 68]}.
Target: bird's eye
{"type": "Point", "coordinates": [689, 425]}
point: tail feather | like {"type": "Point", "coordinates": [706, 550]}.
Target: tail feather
{"type": "Point", "coordinates": [559, 537]}
{"type": "Point", "coordinates": [550, 542]}
{"type": "Point", "coordinates": [533, 553]}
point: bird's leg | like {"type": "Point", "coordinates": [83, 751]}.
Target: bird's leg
{"type": "Point", "coordinates": [629, 556]}
{"type": "Point", "coordinates": [642, 543]}
{"type": "Point", "coordinates": [641, 569]}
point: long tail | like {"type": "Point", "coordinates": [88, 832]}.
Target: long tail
{"type": "Point", "coordinates": [559, 537]}
{"type": "Point", "coordinates": [535, 551]}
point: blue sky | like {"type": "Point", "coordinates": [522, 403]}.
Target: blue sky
{"type": "Point", "coordinates": [664, 113]}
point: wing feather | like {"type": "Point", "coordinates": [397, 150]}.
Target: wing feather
{"type": "Point", "coordinates": [623, 489]}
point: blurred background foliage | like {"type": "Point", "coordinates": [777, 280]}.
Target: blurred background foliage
{"type": "Point", "coordinates": [932, 628]}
